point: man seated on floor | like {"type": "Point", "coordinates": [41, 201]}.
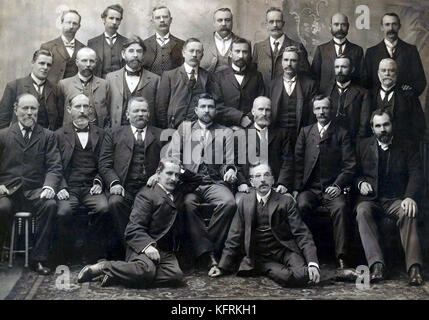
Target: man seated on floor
{"type": "Point", "coordinates": [153, 233]}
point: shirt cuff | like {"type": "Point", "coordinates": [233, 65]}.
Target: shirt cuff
{"type": "Point", "coordinates": [50, 188]}
{"type": "Point", "coordinates": [97, 181]}
{"type": "Point", "coordinates": [150, 244]}
{"type": "Point", "coordinates": [113, 183]}
{"type": "Point", "coordinates": [359, 184]}
{"type": "Point", "coordinates": [313, 264]}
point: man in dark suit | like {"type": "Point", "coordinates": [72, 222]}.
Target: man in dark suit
{"type": "Point", "coordinates": [80, 144]}
{"type": "Point", "coordinates": [404, 106]}
{"type": "Point", "coordinates": [239, 84]}
{"type": "Point", "coordinates": [37, 84]}
{"type": "Point", "coordinates": [30, 172]}
{"type": "Point", "coordinates": [129, 156]}
{"type": "Point", "coordinates": [207, 148]}
{"type": "Point", "coordinates": [325, 163]}
{"type": "Point", "coordinates": [179, 88]}
{"type": "Point", "coordinates": [389, 181]}
{"type": "Point", "coordinates": [351, 103]}
{"type": "Point", "coordinates": [164, 51]}
{"type": "Point", "coordinates": [153, 234]}
{"type": "Point", "coordinates": [291, 95]}
{"type": "Point", "coordinates": [268, 237]}
{"type": "Point", "coordinates": [267, 54]}
{"type": "Point", "coordinates": [108, 45]}
{"type": "Point", "coordinates": [85, 82]}
{"type": "Point", "coordinates": [132, 80]}
{"type": "Point", "coordinates": [411, 76]}
{"type": "Point", "coordinates": [65, 47]}
{"type": "Point", "coordinates": [325, 54]}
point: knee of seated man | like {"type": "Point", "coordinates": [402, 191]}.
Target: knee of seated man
{"type": "Point", "coordinates": [51, 204]}
{"type": "Point", "coordinates": [146, 271]}
{"type": "Point", "coordinates": [64, 209]}
{"type": "Point", "coordinates": [363, 211]}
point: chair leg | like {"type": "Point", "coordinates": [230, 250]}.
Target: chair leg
{"type": "Point", "coordinates": [26, 243]}
{"type": "Point", "coordinates": [12, 244]}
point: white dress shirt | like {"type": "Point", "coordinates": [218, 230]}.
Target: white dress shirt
{"type": "Point", "coordinates": [263, 198]}
{"type": "Point", "coordinates": [40, 83]}
{"type": "Point", "coordinates": [132, 81]}
{"type": "Point", "coordinates": [391, 46]}
{"type": "Point", "coordinates": [223, 44]}
{"type": "Point", "coordinates": [188, 70]}
{"type": "Point", "coordinates": [383, 93]}
{"type": "Point", "coordinates": [72, 43]}
{"type": "Point", "coordinates": [384, 146]}
{"type": "Point", "coordinates": [21, 127]}
{"type": "Point", "coordinates": [343, 86]}
{"type": "Point", "coordinates": [261, 131]}
{"type": "Point", "coordinates": [337, 46]}
{"type": "Point", "coordinates": [289, 85]}
{"type": "Point", "coordinates": [107, 37]}
{"type": "Point", "coordinates": [279, 40]}
{"type": "Point", "coordinates": [169, 194]}
{"type": "Point", "coordinates": [239, 77]}
{"type": "Point", "coordinates": [162, 40]}
{"type": "Point", "coordinates": [83, 137]}
{"type": "Point", "coordinates": [323, 129]}
{"type": "Point", "coordinates": [134, 130]}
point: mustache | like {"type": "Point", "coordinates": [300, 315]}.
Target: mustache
{"type": "Point", "coordinates": [391, 33]}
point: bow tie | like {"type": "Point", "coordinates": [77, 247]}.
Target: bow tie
{"type": "Point", "coordinates": [240, 73]}
{"type": "Point", "coordinates": [86, 129]}
{"type": "Point", "coordinates": [69, 45]}
{"type": "Point", "coordinates": [387, 92]}
{"type": "Point", "coordinates": [27, 129]}
{"type": "Point", "coordinates": [340, 44]}
{"type": "Point", "coordinates": [133, 73]}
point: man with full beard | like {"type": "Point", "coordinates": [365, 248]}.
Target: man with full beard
{"type": "Point", "coordinates": [325, 54]}
{"type": "Point", "coordinates": [389, 180]}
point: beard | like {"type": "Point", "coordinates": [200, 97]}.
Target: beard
{"type": "Point", "coordinates": [340, 34]}
{"type": "Point", "coordinates": [384, 137]}
{"type": "Point", "coordinates": [342, 78]}
{"type": "Point", "coordinates": [134, 64]}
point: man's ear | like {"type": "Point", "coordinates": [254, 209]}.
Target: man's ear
{"type": "Point", "coordinates": [15, 107]}
{"type": "Point", "coordinates": [69, 108]}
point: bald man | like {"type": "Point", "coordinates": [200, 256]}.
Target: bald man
{"type": "Point", "coordinates": [326, 53]}
{"type": "Point", "coordinates": [96, 89]}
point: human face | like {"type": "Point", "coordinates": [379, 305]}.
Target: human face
{"type": "Point", "coordinates": [86, 59]}
{"type": "Point", "coordinates": [206, 110]}
{"type": "Point", "coordinates": [390, 27]}
{"type": "Point", "coordinates": [138, 114]}
{"type": "Point", "coordinates": [70, 25]}
{"type": "Point", "coordinates": [161, 19]}
{"type": "Point", "coordinates": [169, 176]}
{"type": "Point", "coordinates": [261, 112]}
{"type": "Point", "coordinates": [275, 24]}
{"type": "Point", "coordinates": [339, 26]}
{"type": "Point", "coordinates": [382, 128]}
{"type": "Point", "coordinates": [41, 66]}
{"type": "Point", "coordinates": [133, 56]}
{"type": "Point", "coordinates": [261, 179]}
{"type": "Point", "coordinates": [193, 53]}
{"type": "Point", "coordinates": [112, 21]}
{"type": "Point", "coordinates": [26, 110]}
{"type": "Point", "coordinates": [222, 22]}
{"type": "Point", "coordinates": [79, 110]}
{"type": "Point", "coordinates": [240, 54]}
{"type": "Point", "coordinates": [387, 73]}
{"type": "Point", "coordinates": [322, 110]}
{"type": "Point", "coordinates": [342, 70]}
{"type": "Point", "coordinates": [290, 64]}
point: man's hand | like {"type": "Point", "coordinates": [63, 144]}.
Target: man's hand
{"type": "Point", "coordinates": [63, 194]}
{"type": "Point", "coordinates": [47, 194]}
{"type": "Point", "coordinates": [153, 180]}
{"type": "Point", "coordinates": [314, 274]}
{"type": "Point", "coordinates": [245, 122]}
{"type": "Point", "coordinates": [215, 272]}
{"type": "Point", "coordinates": [230, 176]}
{"type": "Point", "coordinates": [281, 189]}
{"type": "Point", "coordinates": [406, 87]}
{"type": "Point", "coordinates": [243, 188]}
{"type": "Point", "coordinates": [295, 194]}
{"type": "Point", "coordinates": [333, 191]}
{"type": "Point", "coordinates": [117, 189]}
{"type": "Point", "coordinates": [365, 188]}
{"type": "Point", "coordinates": [96, 189]}
{"type": "Point", "coordinates": [410, 207]}
{"type": "Point", "coordinates": [3, 190]}
{"type": "Point", "coordinates": [152, 253]}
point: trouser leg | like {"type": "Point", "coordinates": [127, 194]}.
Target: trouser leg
{"type": "Point", "coordinates": [339, 216]}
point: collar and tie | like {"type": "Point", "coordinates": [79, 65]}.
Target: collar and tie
{"type": "Point", "coordinates": [77, 129]}
{"type": "Point", "coordinates": [387, 94]}
{"type": "Point", "coordinates": [391, 47]}
{"type": "Point", "coordinates": [322, 132]}
{"type": "Point", "coordinates": [27, 134]}
{"type": "Point", "coordinates": [139, 136]}
{"type": "Point", "coordinates": [241, 72]}
{"type": "Point", "coordinates": [133, 73]}
{"type": "Point", "coordinates": [276, 48]}
{"type": "Point", "coordinates": [163, 40]}
{"type": "Point", "coordinates": [39, 87]}
{"type": "Point", "coordinates": [340, 47]}
{"type": "Point", "coordinates": [192, 79]}
{"type": "Point", "coordinates": [110, 40]}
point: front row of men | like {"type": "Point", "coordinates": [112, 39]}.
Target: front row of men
{"type": "Point", "coordinates": [267, 228]}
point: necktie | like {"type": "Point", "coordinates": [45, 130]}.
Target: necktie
{"type": "Point", "coordinates": [69, 45]}
{"type": "Point", "coordinates": [340, 48]}
{"type": "Point", "coordinates": [139, 136]}
{"type": "Point", "coordinates": [162, 40]}
{"type": "Point", "coordinates": [386, 95]}
{"type": "Point", "coordinates": [239, 72]}
{"type": "Point", "coordinates": [133, 73]}
{"type": "Point", "coordinates": [322, 132]}
{"type": "Point", "coordinates": [341, 98]}
{"type": "Point", "coordinates": [192, 79]}
{"type": "Point", "coordinates": [276, 48]}
{"type": "Point", "coordinates": [39, 87]}
{"type": "Point", "coordinates": [289, 86]}
{"type": "Point", "coordinates": [27, 134]}
{"type": "Point", "coordinates": [110, 40]}
{"type": "Point", "coordinates": [86, 129]}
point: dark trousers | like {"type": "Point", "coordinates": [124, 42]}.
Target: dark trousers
{"type": "Point", "coordinates": [367, 214]}
{"type": "Point", "coordinates": [140, 271]}
{"type": "Point", "coordinates": [45, 212]}
{"type": "Point", "coordinates": [309, 201]}
{"type": "Point", "coordinates": [209, 238]}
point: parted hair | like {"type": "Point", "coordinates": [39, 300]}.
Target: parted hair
{"type": "Point", "coordinates": [380, 112]}
{"type": "Point", "coordinates": [70, 11]}
{"type": "Point", "coordinates": [41, 52]}
{"type": "Point", "coordinates": [117, 7]}
{"type": "Point", "coordinates": [165, 160]}
{"type": "Point", "coordinates": [319, 97]}
{"type": "Point", "coordinates": [134, 39]}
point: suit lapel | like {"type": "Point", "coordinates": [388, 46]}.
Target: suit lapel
{"type": "Point", "coordinates": [95, 83]}
{"type": "Point", "coordinates": [119, 79]}
{"type": "Point", "coordinates": [143, 81]}
{"type": "Point", "coordinates": [233, 80]}
{"type": "Point", "coordinates": [129, 137]}
{"type": "Point", "coordinates": [246, 78]}
{"type": "Point", "coordinates": [94, 135]}
{"type": "Point", "coordinates": [149, 138]}
{"type": "Point", "coordinates": [332, 53]}
{"type": "Point", "coordinates": [267, 48]}
{"type": "Point", "coordinates": [77, 83]}
{"type": "Point", "coordinates": [276, 96]}
{"type": "Point", "coordinates": [328, 132]}
{"type": "Point", "coordinates": [61, 49]}
{"type": "Point", "coordinates": [249, 213]}
{"type": "Point", "coordinates": [299, 102]}
{"type": "Point", "coordinates": [203, 75]}
{"type": "Point", "coordinates": [19, 138]}
{"type": "Point", "coordinates": [350, 95]}
{"type": "Point", "coordinates": [35, 136]}
{"type": "Point", "coordinates": [70, 140]}
{"type": "Point", "coordinates": [273, 202]}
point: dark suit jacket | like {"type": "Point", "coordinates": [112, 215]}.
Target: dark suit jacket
{"type": "Point", "coordinates": [236, 100]}
{"type": "Point", "coordinates": [29, 166]}
{"type": "Point", "coordinates": [174, 97]}
{"type": "Point", "coordinates": [262, 56]}
{"type": "Point", "coordinates": [176, 56]}
{"type": "Point", "coordinates": [324, 59]}
{"type": "Point", "coordinates": [147, 88]}
{"type": "Point", "coordinates": [410, 69]}
{"type": "Point", "coordinates": [97, 44]}
{"type": "Point", "coordinates": [117, 151]}
{"type": "Point", "coordinates": [210, 60]}
{"type": "Point", "coordinates": [306, 89]}
{"type": "Point", "coordinates": [334, 152]}
{"type": "Point", "coordinates": [25, 85]}
{"type": "Point", "coordinates": [357, 110]}
{"type": "Point", "coordinates": [66, 143]}
{"type": "Point", "coordinates": [404, 168]}
{"type": "Point", "coordinates": [286, 226]}
{"type": "Point", "coordinates": [61, 56]}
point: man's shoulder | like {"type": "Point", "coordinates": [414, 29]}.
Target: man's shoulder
{"type": "Point", "coordinates": [151, 76]}
{"type": "Point", "coordinates": [178, 40]}
{"type": "Point", "coordinates": [375, 48]}
{"type": "Point", "coordinates": [285, 199]}
{"type": "Point", "coordinates": [95, 39]}
{"type": "Point", "coordinates": [306, 80]}
{"type": "Point", "coordinates": [114, 74]}
{"type": "Point", "coordinates": [52, 42]}
{"type": "Point", "coordinates": [262, 43]}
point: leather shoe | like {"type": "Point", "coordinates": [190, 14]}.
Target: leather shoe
{"type": "Point", "coordinates": [377, 272]}
{"type": "Point", "coordinates": [415, 276]}
{"type": "Point", "coordinates": [342, 263]}
{"type": "Point", "coordinates": [88, 273]}
{"type": "Point", "coordinates": [41, 269]}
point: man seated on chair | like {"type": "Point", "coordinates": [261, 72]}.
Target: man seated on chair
{"type": "Point", "coordinates": [268, 237]}
{"type": "Point", "coordinates": [153, 234]}
{"type": "Point", "coordinates": [30, 172]}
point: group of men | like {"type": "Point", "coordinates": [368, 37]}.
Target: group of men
{"type": "Point", "coordinates": [204, 147]}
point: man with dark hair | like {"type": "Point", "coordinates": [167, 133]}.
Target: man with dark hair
{"type": "Point", "coordinates": [389, 180]}
{"type": "Point", "coordinates": [164, 51]}
{"type": "Point", "coordinates": [108, 45]}
{"type": "Point", "coordinates": [30, 172]}
{"type": "Point", "coordinates": [267, 54]}
{"type": "Point", "coordinates": [65, 47]}
{"type": "Point", "coordinates": [132, 80]}
{"type": "Point", "coordinates": [411, 75]}
{"type": "Point", "coordinates": [325, 164]}
{"type": "Point", "coordinates": [39, 86]}
{"type": "Point", "coordinates": [325, 54]}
